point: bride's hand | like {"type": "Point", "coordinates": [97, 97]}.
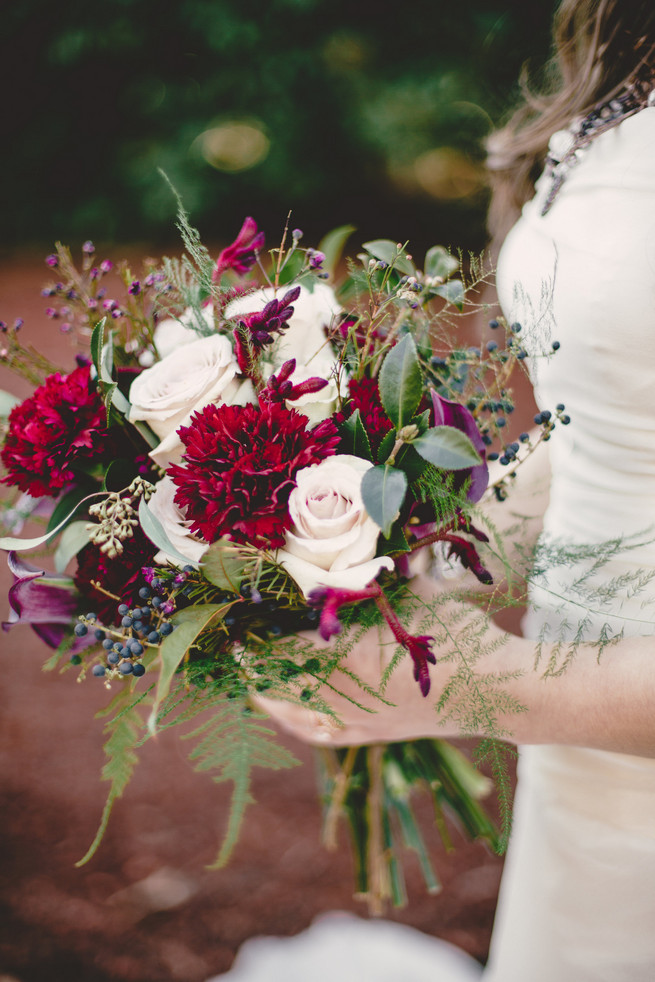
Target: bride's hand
{"type": "Point", "coordinates": [400, 713]}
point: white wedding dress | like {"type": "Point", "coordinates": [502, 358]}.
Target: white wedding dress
{"type": "Point", "coordinates": [577, 901]}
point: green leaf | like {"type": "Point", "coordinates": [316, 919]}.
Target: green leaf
{"type": "Point", "coordinates": [354, 438]}
{"type": "Point", "coordinates": [396, 542]}
{"type": "Point", "coordinates": [387, 445]}
{"type": "Point", "coordinates": [154, 529]}
{"type": "Point", "coordinates": [410, 462]}
{"type": "Point", "coordinates": [97, 342]}
{"type": "Point", "coordinates": [106, 369]}
{"type": "Point", "coordinates": [423, 421]}
{"type": "Point", "coordinates": [7, 403]}
{"type": "Point", "coordinates": [189, 624]}
{"type": "Point", "coordinates": [332, 246]}
{"type": "Point", "coordinates": [223, 565]}
{"type": "Point", "coordinates": [123, 732]}
{"type": "Point", "coordinates": [448, 448]}
{"type": "Point", "coordinates": [383, 493]}
{"type": "Point", "coordinates": [400, 382]}
{"type": "Point", "coordinates": [439, 262]}
{"type": "Point", "coordinates": [387, 251]}
{"type": "Point", "coordinates": [74, 537]}
{"type": "Point", "coordinates": [232, 742]}
{"type": "Point", "coordinates": [452, 291]}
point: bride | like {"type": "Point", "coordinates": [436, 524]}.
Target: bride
{"type": "Point", "coordinates": [577, 902]}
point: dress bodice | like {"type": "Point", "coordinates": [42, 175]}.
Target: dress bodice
{"type": "Point", "coordinates": [583, 275]}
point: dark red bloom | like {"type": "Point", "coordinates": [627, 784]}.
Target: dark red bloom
{"type": "Point", "coordinates": [257, 330]}
{"type": "Point", "coordinates": [121, 576]}
{"type": "Point", "coordinates": [241, 255]}
{"type": "Point", "coordinates": [280, 388]}
{"type": "Point", "coordinates": [240, 466]}
{"type": "Point", "coordinates": [365, 396]}
{"type": "Point", "coordinates": [62, 426]}
{"type": "Point", "coordinates": [329, 601]}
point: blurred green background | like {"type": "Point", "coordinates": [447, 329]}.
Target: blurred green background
{"type": "Point", "coordinates": [360, 112]}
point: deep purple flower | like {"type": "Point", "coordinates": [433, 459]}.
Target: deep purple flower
{"type": "Point", "coordinates": [44, 600]}
{"type": "Point", "coordinates": [448, 413]}
{"type": "Point", "coordinates": [241, 255]}
{"type": "Point", "coordinates": [316, 258]}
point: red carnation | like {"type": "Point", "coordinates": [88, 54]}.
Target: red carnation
{"type": "Point", "coordinates": [365, 396]}
{"type": "Point", "coordinates": [121, 576]}
{"type": "Point", "coordinates": [240, 467]}
{"type": "Point", "coordinates": [63, 425]}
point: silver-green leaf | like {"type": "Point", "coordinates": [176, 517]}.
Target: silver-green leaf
{"type": "Point", "coordinates": [400, 382]}
{"type": "Point", "coordinates": [447, 448]}
{"type": "Point", "coordinates": [383, 493]}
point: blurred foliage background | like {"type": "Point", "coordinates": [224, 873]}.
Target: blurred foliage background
{"type": "Point", "coordinates": [344, 111]}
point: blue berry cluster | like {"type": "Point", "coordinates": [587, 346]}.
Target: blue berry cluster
{"type": "Point", "coordinates": [140, 627]}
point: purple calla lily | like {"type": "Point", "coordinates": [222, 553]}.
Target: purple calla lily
{"type": "Point", "coordinates": [44, 600]}
{"type": "Point", "coordinates": [447, 413]}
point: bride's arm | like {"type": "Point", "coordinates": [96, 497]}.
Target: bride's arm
{"type": "Point", "coordinates": [607, 704]}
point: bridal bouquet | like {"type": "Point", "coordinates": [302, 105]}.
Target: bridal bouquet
{"type": "Point", "coordinates": [241, 455]}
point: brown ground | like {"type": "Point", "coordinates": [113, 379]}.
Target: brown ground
{"type": "Point", "coordinates": [146, 909]}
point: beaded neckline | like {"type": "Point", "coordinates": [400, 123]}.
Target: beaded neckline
{"type": "Point", "coordinates": [569, 148]}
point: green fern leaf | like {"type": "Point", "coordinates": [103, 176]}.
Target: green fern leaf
{"type": "Point", "coordinates": [123, 730]}
{"type": "Point", "coordinates": [231, 743]}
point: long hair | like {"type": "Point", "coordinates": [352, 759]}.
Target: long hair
{"type": "Point", "coordinates": [598, 46]}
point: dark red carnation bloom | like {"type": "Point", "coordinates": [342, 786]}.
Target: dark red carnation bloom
{"type": "Point", "coordinates": [365, 396]}
{"type": "Point", "coordinates": [121, 576]}
{"type": "Point", "coordinates": [241, 255]}
{"type": "Point", "coordinates": [240, 467]}
{"type": "Point", "coordinates": [58, 428]}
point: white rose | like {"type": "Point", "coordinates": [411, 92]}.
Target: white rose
{"type": "Point", "coordinates": [187, 380]}
{"type": "Point", "coordinates": [175, 331]}
{"type": "Point", "coordinates": [176, 526]}
{"type": "Point", "coordinates": [305, 336]}
{"type": "Point", "coordinates": [333, 540]}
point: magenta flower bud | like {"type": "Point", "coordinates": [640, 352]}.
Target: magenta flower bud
{"type": "Point", "coordinates": [106, 266]}
{"type": "Point", "coordinates": [88, 247]}
{"type": "Point", "coordinates": [51, 312]}
{"type": "Point", "coordinates": [52, 261]}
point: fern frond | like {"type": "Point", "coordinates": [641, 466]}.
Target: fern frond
{"type": "Point", "coordinates": [123, 730]}
{"type": "Point", "coordinates": [230, 744]}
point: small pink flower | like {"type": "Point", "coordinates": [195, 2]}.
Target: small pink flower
{"type": "Point", "coordinates": [241, 255]}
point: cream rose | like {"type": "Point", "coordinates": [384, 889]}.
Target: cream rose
{"type": "Point", "coordinates": [187, 380]}
{"type": "Point", "coordinates": [162, 505]}
{"type": "Point", "coordinates": [333, 539]}
{"type": "Point", "coordinates": [173, 332]}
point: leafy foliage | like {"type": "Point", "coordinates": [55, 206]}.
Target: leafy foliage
{"type": "Point", "coordinates": [229, 744]}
